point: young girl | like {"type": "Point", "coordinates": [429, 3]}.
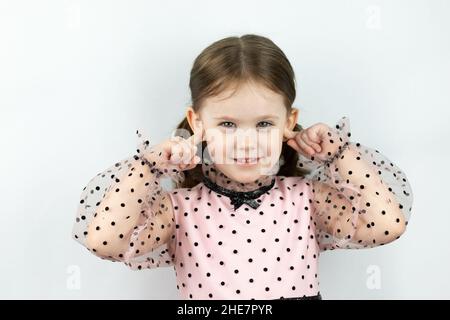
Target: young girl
{"type": "Point", "coordinates": [257, 197]}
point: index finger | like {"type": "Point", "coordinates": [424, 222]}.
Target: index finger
{"type": "Point", "coordinates": [289, 134]}
{"type": "Point", "coordinates": [198, 136]}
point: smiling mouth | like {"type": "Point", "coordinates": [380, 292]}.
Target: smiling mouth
{"type": "Point", "coordinates": [246, 160]}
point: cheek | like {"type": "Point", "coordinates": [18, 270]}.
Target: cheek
{"type": "Point", "coordinates": [271, 142]}
{"type": "Point", "coordinates": [218, 144]}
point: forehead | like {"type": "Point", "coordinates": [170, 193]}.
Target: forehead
{"type": "Point", "coordinates": [250, 100]}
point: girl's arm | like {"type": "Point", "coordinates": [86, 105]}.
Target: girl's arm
{"type": "Point", "coordinates": [380, 219]}
{"type": "Point", "coordinates": [360, 198]}
{"type": "Point", "coordinates": [125, 215]}
{"type": "Point", "coordinates": [110, 230]}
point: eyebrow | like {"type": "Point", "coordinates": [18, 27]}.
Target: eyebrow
{"type": "Point", "coordinates": [268, 116]}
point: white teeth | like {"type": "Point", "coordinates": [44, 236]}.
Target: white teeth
{"type": "Point", "coordinates": [249, 160]}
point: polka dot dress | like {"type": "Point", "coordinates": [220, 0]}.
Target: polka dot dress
{"type": "Point", "coordinates": [264, 253]}
{"type": "Point", "coordinates": [261, 240]}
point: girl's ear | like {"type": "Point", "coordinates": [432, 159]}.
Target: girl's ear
{"type": "Point", "coordinates": [191, 117]}
{"type": "Point", "coordinates": [195, 122]}
{"type": "Point", "coordinates": [293, 118]}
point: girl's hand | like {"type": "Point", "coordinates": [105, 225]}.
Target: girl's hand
{"type": "Point", "coordinates": [177, 152]}
{"type": "Point", "coordinates": [318, 141]}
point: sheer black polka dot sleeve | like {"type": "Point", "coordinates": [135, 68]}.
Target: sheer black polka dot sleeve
{"type": "Point", "coordinates": [361, 199]}
{"type": "Point", "coordinates": [125, 214]}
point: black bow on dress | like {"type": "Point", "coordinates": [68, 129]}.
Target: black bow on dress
{"type": "Point", "coordinates": [238, 198]}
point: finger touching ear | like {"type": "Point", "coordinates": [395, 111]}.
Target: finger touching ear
{"type": "Point", "coordinates": [294, 145]}
{"type": "Point", "coordinates": [200, 131]}
{"type": "Point", "coordinates": [199, 134]}
{"type": "Point", "coordinates": [288, 134]}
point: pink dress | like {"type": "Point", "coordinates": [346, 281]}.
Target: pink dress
{"type": "Point", "coordinates": [228, 240]}
{"type": "Point", "coordinates": [264, 253]}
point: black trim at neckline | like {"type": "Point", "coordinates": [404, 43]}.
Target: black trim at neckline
{"type": "Point", "coordinates": [238, 198]}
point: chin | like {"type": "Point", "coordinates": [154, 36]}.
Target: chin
{"type": "Point", "coordinates": [242, 175]}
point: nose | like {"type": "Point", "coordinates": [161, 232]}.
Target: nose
{"type": "Point", "coordinates": [247, 144]}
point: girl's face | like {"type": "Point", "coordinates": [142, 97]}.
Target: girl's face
{"type": "Point", "coordinates": [244, 131]}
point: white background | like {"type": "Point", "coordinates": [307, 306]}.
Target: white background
{"type": "Point", "coordinates": [77, 78]}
